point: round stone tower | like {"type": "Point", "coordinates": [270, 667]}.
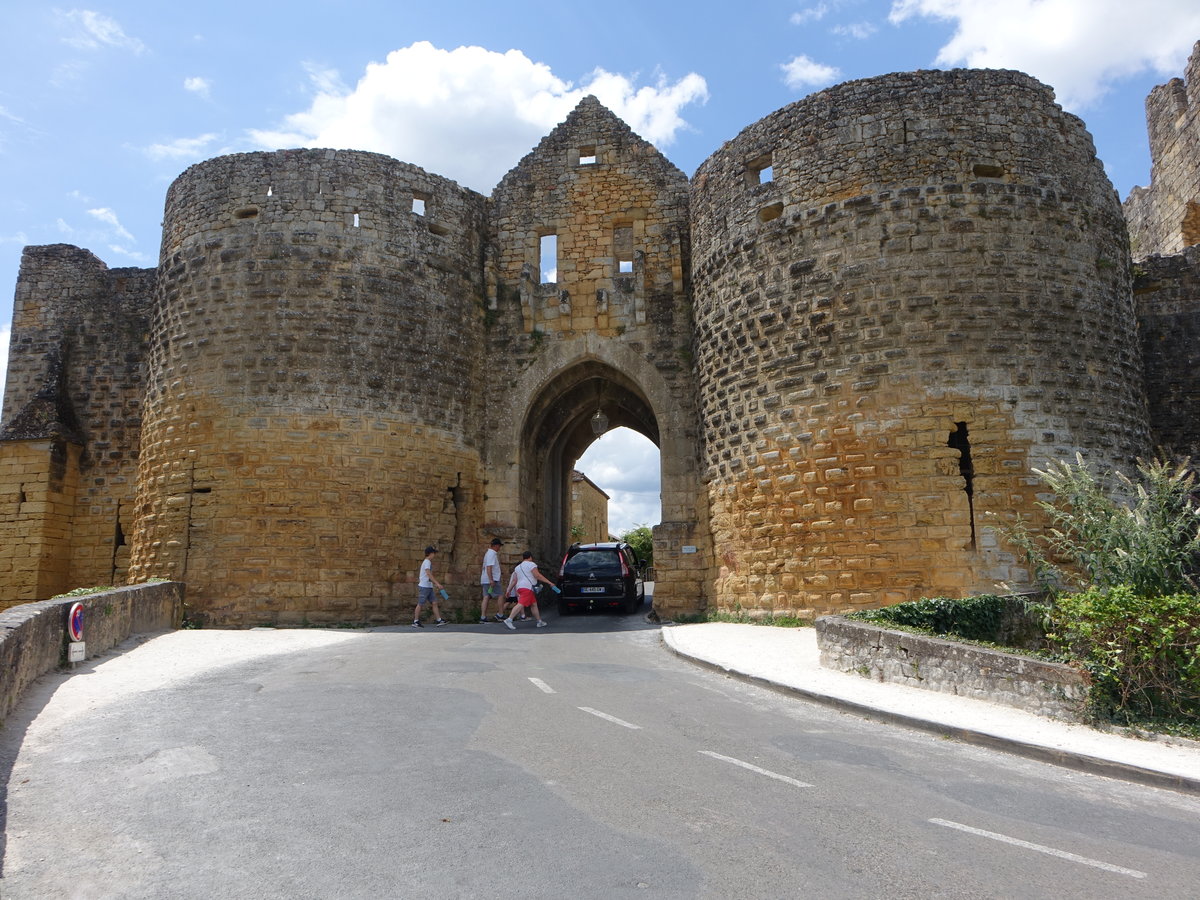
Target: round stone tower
{"type": "Point", "coordinates": [311, 421]}
{"type": "Point", "coordinates": [910, 291]}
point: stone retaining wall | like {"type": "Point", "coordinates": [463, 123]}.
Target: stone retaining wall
{"type": "Point", "coordinates": [1049, 689]}
{"type": "Point", "coordinates": [33, 635]}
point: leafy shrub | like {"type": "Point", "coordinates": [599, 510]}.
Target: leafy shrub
{"type": "Point", "coordinates": [641, 539]}
{"type": "Point", "coordinates": [1143, 533]}
{"type": "Point", "coordinates": [1143, 652]}
{"type": "Point", "coordinates": [983, 618]}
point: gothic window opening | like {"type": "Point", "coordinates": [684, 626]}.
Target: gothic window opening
{"type": "Point", "coordinates": [966, 468]}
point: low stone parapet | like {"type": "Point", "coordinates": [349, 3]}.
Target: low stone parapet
{"type": "Point", "coordinates": [33, 636]}
{"type": "Point", "coordinates": [1049, 689]}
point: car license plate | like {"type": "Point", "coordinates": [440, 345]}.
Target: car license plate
{"type": "Point", "coordinates": [591, 590]}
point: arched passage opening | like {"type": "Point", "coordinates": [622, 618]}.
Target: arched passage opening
{"type": "Point", "coordinates": [561, 423]}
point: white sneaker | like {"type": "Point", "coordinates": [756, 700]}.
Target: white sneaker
{"type": "Point", "coordinates": [511, 626]}
{"type": "Point", "coordinates": [541, 624]}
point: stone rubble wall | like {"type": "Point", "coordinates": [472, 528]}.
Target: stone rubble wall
{"type": "Point", "coordinates": [1164, 218]}
{"type": "Point", "coordinates": [929, 297]}
{"type": "Point", "coordinates": [966, 670]}
{"type": "Point", "coordinates": [33, 636]}
{"type": "Point", "coordinates": [72, 421]}
{"type": "Point", "coordinates": [1166, 290]}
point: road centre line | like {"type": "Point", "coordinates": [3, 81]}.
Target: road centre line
{"type": "Point", "coordinates": [1062, 854]}
{"type": "Point", "coordinates": [542, 686]}
{"type": "Point", "coordinates": [607, 717]}
{"type": "Point", "coordinates": [754, 768]}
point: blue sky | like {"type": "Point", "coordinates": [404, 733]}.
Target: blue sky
{"type": "Point", "coordinates": [103, 105]}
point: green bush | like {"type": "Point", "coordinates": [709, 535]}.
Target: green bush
{"type": "Point", "coordinates": [1143, 652]}
{"type": "Point", "coordinates": [641, 539]}
{"type": "Point", "coordinates": [971, 618]}
{"type": "Point", "coordinates": [1143, 533]}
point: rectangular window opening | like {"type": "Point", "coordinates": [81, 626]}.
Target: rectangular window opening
{"type": "Point", "coordinates": [548, 260]}
{"type": "Point", "coordinates": [587, 156]}
{"type": "Point", "coordinates": [418, 204]}
{"type": "Point", "coordinates": [356, 220]}
{"type": "Point", "coordinates": [623, 250]}
{"type": "Point", "coordinates": [760, 170]}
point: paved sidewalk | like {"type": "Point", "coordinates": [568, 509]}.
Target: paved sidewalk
{"type": "Point", "coordinates": [788, 658]}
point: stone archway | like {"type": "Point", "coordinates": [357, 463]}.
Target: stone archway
{"type": "Point", "coordinates": [543, 427]}
{"type": "Point", "coordinates": [556, 433]}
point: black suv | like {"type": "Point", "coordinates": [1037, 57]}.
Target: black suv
{"type": "Point", "coordinates": [600, 575]}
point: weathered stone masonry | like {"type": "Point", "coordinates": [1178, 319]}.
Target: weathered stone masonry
{"type": "Point", "coordinates": [852, 334]}
{"type": "Point", "coordinates": [1164, 220]}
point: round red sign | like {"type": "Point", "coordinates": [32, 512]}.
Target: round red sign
{"type": "Point", "coordinates": [75, 622]}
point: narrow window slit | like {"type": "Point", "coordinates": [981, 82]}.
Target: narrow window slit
{"type": "Point", "coordinates": [548, 258]}
{"type": "Point", "coordinates": [966, 468]}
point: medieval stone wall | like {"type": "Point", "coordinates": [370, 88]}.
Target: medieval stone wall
{"type": "Point", "coordinates": [853, 336]}
{"type": "Point", "coordinates": [72, 416]}
{"type": "Point", "coordinates": [307, 431]}
{"type": "Point", "coordinates": [1165, 217]}
{"type": "Point", "coordinates": [909, 291]}
{"type": "Point", "coordinates": [1167, 292]}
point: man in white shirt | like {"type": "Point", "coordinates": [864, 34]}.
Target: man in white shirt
{"type": "Point", "coordinates": [489, 582]}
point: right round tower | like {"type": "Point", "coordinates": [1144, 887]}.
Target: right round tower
{"type": "Point", "coordinates": [910, 292]}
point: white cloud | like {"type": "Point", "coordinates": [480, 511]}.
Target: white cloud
{"type": "Point", "coordinates": [627, 467]}
{"type": "Point", "coordinates": [89, 30]}
{"type": "Point", "coordinates": [134, 255]}
{"type": "Point", "coordinates": [860, 31]}
{"type": "Point", "coordinates": [810, 14]}
{"type": "Point", "coordinates": [803, 72]}
{"type": "Point", "coordinates": [1079, 47]}
{"type": "Point", "coordinates": [108, 217]}
{"type": "Point", "coordinates": [5, 335]}
{"type": "Point", "coordinates": [198, 85]}
{"type": "Point", "coordinates": [182, 148]}
{"type": "Point", "coordinates": [20, 238]}
{"type": "Point", "coordinates": [488, 107]}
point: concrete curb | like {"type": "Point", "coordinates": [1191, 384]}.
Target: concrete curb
{"type": "Point", "coordinates": [1081, 762]}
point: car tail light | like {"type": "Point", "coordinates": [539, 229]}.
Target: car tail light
{"type": "Point", "coordinates": [624, 567]}
{"type": "Point", "coordinates": [563, 567]}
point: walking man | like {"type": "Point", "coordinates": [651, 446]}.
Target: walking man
{"type": "Point", "coordinates": [425, 583]}
{"type": "Point", "coordinates": [526, 576]}
{"type": "Point", "coordinates": [489, 582]}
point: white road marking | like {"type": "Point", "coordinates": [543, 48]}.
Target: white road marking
{"type": "Point", "coordinates": [753, 768]}
{"type": "Point", "coordinates": [608, 718]}
{"type": "Point", "coordinates": [542, 686]}
{"type": "Point", "coordinates": [1062, 854]}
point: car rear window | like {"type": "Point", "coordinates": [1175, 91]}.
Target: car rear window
{"type": "Point", "coordinates": [601, 563]}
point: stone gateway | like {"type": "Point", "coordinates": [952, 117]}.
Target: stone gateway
{"type": "Point", "coordinates": [853, 334]}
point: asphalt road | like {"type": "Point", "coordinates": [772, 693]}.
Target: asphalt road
{"type": "Point", "coordinates": [581, 760]}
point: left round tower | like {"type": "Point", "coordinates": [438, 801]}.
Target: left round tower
{"type": "Point", "coordinates": [311, 415]}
